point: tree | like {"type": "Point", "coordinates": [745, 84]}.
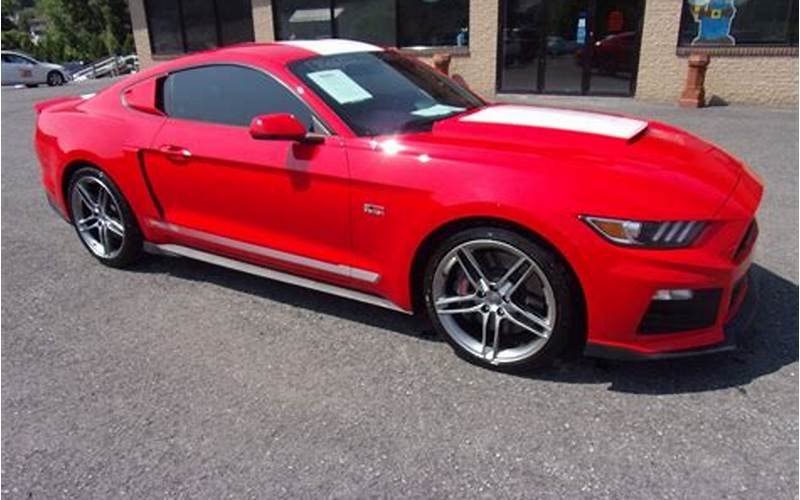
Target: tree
{"type": "Point", "coordinates": [74, 30]}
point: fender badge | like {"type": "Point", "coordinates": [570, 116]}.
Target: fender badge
{"type": "Point", "coordinates": [376, 210]}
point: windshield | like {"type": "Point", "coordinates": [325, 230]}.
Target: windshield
{"type": "Point", "coordinates": [379, 93]}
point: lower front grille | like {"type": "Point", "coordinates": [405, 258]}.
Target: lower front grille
{"type": "Point", "coordinates": [670, 316]}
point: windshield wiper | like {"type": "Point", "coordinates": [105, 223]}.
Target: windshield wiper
{"type": "Point", "coordinates": [425, 122]}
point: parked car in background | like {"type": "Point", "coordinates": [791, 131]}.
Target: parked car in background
{"type": "Point", "coordinates": [20, 68]}
{"type": "Point", "coordinates": [107, 67]}
{"type": "Point", "coordinates": [613, 54]}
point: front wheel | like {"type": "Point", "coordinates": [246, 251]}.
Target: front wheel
{"type": "Point", "coordinates": [103, 219]}
{"type": "Point", "coordinates": [500, 299]}
{"type": "Point", "coordinates": [55, 79]}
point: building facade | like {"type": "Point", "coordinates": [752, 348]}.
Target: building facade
{"type": "Point", "coordinates": [635, 48]}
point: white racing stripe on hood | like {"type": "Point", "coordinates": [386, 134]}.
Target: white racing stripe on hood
{"type": "Point", "coordinates": [560, 119]}
{"type": "Point", "coordinates": [333, 46]}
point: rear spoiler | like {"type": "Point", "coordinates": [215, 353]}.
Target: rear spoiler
{"type": "Point", "coordinates": [42, 105]}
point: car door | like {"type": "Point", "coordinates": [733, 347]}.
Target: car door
{"type": "Point", "coordinates": [16, 69]}
{"type": "Point", "coordinates": [29, 70]}
{"type": "Point", "coordinates": [9, 75]}
{"type": "Point", "coordinates": [277, 201]}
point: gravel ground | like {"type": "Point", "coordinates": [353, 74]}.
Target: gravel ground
{"type": "Point", "coordinates": [178, 379]}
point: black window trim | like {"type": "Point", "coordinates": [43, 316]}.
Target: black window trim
{"type": "Point", "coordinates": [325, 129]}
{"type": "Point", "coordinates": [755, 49]}
{"type": "Point", "coordinates": [423, 50]}
{"type": "Point", "coordinates": [182, 30]}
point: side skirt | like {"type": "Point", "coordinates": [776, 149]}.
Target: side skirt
{"type": "Point", "coordinates": [237, 265]}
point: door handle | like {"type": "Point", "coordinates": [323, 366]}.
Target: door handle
{"type": "Point", "coordinates": [176, 153]}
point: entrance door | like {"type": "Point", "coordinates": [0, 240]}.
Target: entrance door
{"type": "Point", "coordinates": [569, 46]}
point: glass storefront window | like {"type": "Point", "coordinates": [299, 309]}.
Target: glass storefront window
{"type": "Point", "coordinates": [428, 24]}
{"type": "Point", "coordinates": [725, 23]}
{"type": "Point", "coordinates": [401, 23]}
{"type": "Point", "coordinates": [373, 21]}
{"type": "Point", "coordinates": [569, 46]}
{"type": "Point", "coordinates": [180, 26]}
{"type": "Point", "coordinates": [302, 19]}
{"type": "Point", "coordinates": [164, 21]}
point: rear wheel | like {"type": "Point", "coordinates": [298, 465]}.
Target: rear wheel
{"type": "Point", "coordinates": [500, 299]}
{"type": "Point", "coordinates": [103, 218]}
{"type": "Point", "coordinates": [54, 79]}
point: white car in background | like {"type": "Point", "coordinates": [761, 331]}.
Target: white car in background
{"type": "Point", "coordinates": [23, 69]}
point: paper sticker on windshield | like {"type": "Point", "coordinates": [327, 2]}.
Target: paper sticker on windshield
{"type": "Point", "coordinates": [437, 110]}
{"type": "Point", "coordinates": [338, 85]}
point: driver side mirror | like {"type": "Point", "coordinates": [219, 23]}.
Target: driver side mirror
{"type": "Point", "coordinates": [282, 127]}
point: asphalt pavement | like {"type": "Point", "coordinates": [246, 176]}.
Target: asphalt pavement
{"type": "Point", "coordinates": [176, 379]}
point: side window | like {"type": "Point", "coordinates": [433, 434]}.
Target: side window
{"type": "Point", "coordinates": [13, 58]}
{"type": "Point", "coordinates": [229, 95]}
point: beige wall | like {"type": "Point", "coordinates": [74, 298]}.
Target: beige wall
{"type": "Point", "coordinates": [770, 80]}
{"type": "Point", "coordinates": [263, 28]}
{"type": "Point", "coordinates": [477, 65]}
{"type": "Point", "coordinates": [140, 36]}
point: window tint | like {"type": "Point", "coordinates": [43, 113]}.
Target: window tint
{"type": "Point", "coordinates": [163, 17]}
{"type": "Point", "coordinates": [199, 24]}
{"type": "Point", "coordinates": [403, 23]}
{"type": "Point", "coordinates": [229, 95]}
{"type": "Point", "coordinates": [372, 21]}
{"type": "Point", "coordinates": [303, 19]}
{"type": "Point", "coordinates": [14, 58]}
{"type": "Point", "coordinates": [426, 23]}
{"type": "Point", "coordinates": [178, 26]}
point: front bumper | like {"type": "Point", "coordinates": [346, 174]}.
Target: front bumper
{"type": "Point", "coordinates": [737, 326]}
{"type": "Point", "coordinates": [619, 287]}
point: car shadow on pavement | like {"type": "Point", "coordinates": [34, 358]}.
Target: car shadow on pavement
{"type": "Point", "coordinates": [770, 344]}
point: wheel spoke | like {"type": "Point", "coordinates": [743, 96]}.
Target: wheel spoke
{"type": "Point", "coordinates": [88, 223]}
{"type": "Point", "coordinates": [460, 310]}
{"type": "Point", "coordinates": [472, 269]}
{"type": "Point", "coordinates": [116, 227]}
{"type": "Point", "coordinates": [484, 327]}
{"type": "Point", "coordinates": [509, 287]}
{"type": "Point", "coordinates": [511, 271]}
{"type": "Point", "coordinates": [496, 337]}
{"type": "Point", "coordinates": [86, 198]}
{"type": "Point", "coordinates": [102, 201]}
{"type": "Point", "coordinates": [104, 239]}
{"type": "Point", "coordinates": [544, 328]}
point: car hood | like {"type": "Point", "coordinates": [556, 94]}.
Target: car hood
{"type": "Point", "coordinates": [599, 152]}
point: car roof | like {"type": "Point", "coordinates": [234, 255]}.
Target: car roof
{"type": "Point", "coordinates": [279, 53]}
{"type": "Point", "coordinates": [282, 53]}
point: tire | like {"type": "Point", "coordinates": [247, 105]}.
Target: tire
{"type": "Point", "coordinates": [103, 218]}
{"type": "Point", "coordinates": [537, 306]}
{"type": "Point", "coordinates": [55, 79]}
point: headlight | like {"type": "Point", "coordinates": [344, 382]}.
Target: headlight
{"type": "Point", "coordinates": [665, 234]}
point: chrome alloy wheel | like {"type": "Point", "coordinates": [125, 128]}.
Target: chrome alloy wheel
{"type": "Point", "coordinates": [97, 216]}
{"type": "Point", "coordinates": [494, 301]}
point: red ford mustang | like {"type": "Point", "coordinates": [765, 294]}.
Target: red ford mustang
{"type": "Point", "coordinates": [521, 231]}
